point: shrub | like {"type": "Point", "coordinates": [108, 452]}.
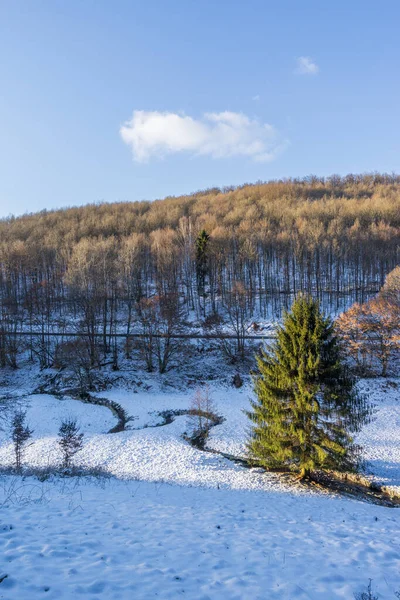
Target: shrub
{"type": "Point", "coordinates": [71, 441]}
{"type": "Point", "coordinates": [20, 435]}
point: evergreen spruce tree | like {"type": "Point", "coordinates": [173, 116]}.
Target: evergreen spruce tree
{"type": "Point", "coordinates": [307, 408]}
{"type": "Point", "coordinates": [202, 260]}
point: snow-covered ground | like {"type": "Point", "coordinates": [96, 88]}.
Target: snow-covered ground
{"type": "Point", "coordinates": [149, 452]}
{"type": "Point", "coordinates": [136, 540]}
{"type": "Point", "coordinates": [146, 452]}
{"type": "Point", "coordinates": [179, 522]}
{"type": "Point", "coordinates": [381, 437]}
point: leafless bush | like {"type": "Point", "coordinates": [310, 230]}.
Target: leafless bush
{"type": "Point", "coordinates": [212, 321]}
{"type": "Point", "coordinates": [14, 490]}
{"type": "Point", "coordinates": [160, 321]}
{"type": "Point", "coordinates": [202, 411]}
{"type": "Point", "coordinates": [76, 356]}
{"type": "Point", "coordinates": [226, 345]}
{"type": "Point", "coordinates": [367, 594]}
{"type": "Point", "coordinates": [43, 474]}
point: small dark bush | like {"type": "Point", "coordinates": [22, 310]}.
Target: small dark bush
{"type": "Point", "coordinates": [70, 441]}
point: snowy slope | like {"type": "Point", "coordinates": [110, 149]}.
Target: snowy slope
{"type": "Point", "coordinates": [381, 438]}
{"type": "Point", "coordinates": [149, 452]}
{"type": "Point", "coordinates": [225, 532]}
{"type": "Point", "coordinates": [135, 541]}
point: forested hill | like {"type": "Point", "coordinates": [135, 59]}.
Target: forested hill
{"type": "Point", "coordinates": [301, 209]}
{"type": "Point", "coordinates": [330, 236]}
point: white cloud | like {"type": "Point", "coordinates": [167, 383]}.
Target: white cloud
{"type": "Point", "coordinates": [219, 135]}
{"type": "Point", "coordinates": [257, 97]}
{"type": "Point", "coordinates": [306, 66]}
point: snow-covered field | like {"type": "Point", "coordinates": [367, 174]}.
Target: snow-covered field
{"type": "Point", "coordinates": [136, 540]}
{"type": "Point", "coordinates": [146, 452]}
{"type": "Point", "coordinates": [381, 438]}
{"type": "Point", "coordinates": [150, 452]}
{"type": "Point", "coordinates": [223, 532]}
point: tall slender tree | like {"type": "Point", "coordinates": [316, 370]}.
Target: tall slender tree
{"type": "Point", "coordinates": [307, 408]}
{"type": "Point", "coordinates": [202, 260]}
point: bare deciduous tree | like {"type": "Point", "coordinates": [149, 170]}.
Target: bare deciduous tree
{"type": "Point", "coordinates": [168, 315]}
{"type": "Point", "coordinates": [76, 355]}
{"type": "Point", "coordinates": [160, 320]}
{"type": "Point", "coordinates": [391, 289]}
{"type": "Point", "coordinates": [371, 332]}
{"type": "Point", "coordinates": [91, 266]}
{"type": "Point", "coordinates": [236, 307]}
{"type": "Point", "coordinates": [147, 322]}
{"type": "Point", "coordinates": [202, 411]}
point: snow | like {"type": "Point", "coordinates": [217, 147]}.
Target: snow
{"type": "Point", "coordinates": [149, 452]}
{"type": "Point", "coordinates": [381, 438]}
{"type": "Point", "coordinates": [44, 415]}
{"type": "Point", "coordinates": [175, 521]}
{"type": "Point", "coordinates": [45, 412]}
{"type": "Point", "coordinates": [135, 540]}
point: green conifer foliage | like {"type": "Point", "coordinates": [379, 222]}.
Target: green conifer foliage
{"type": "Point", "coordinates": [307, 408]}
{"type": "Point", "coordinates": [202, 260]}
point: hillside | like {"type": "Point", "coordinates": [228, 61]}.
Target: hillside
{"type": "Point", "coordinates": [304, 210]}
{"type": "Point", "coordinates": [115, 267]}
{"type": "Point", "coordinates": [194, 520]}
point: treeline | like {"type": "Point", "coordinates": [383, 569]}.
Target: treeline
{"type": "Point", "coordinates": [220, 253]}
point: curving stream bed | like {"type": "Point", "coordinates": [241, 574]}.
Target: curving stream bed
{"type": "Point", "coordinates": [139, 449]}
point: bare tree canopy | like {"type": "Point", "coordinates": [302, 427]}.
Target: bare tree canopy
{"type": "Point", "coordinates": [228, 252]}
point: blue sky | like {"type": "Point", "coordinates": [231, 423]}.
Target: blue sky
{"type": "Point", "coordinates": [223, 93]}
